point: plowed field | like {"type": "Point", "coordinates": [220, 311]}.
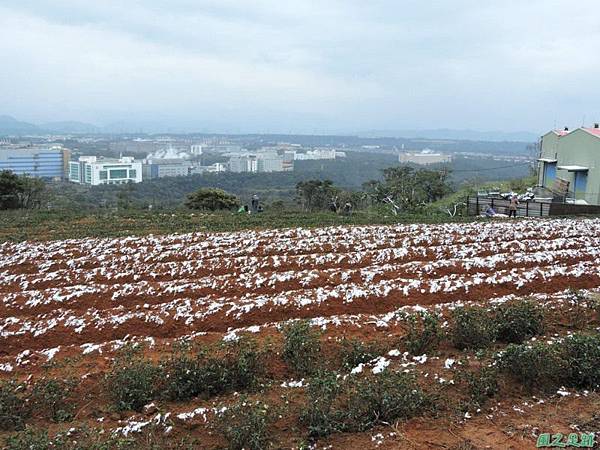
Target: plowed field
{"type": "Point", "coordinates": [83, 299]}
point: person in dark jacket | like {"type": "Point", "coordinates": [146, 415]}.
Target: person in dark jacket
{"type": "Point", "coordinates": [512, 207]}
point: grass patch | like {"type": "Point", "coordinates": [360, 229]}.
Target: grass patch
{"type": "Point", "coordinates": [20, 225]}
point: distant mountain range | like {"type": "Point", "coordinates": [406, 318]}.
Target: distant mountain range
{"type": "Point", "coordinates": [70, 127]}
{"type": "Point", "coordinates": [455, 135]}
{"type": "Point", "coordinates": [11, 126]}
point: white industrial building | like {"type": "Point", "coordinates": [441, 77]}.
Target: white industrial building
{"type": "Point", "coordinates": [425, 157]}
{"type": "Point", "coordinates": [196, 149]}
{"type": "Point", "coordinates": [263, 161]}
{"type": "Point", "coordinates": [213, 168]}
{"type": "Point", "coordinates": [269, 162]}
{"type": "Point", "coordinates": [243, 163]}
{"type": "Point", "coordinates": [96, 171]}
{"type": "Point", "coordinates": [167, 162]}
{"type": "Point", "coordinates": [318, 153]}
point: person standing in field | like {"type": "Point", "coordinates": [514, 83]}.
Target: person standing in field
{"type": "Point", "coordinates": [254, 203]}
{"type": "Point", "coordinates": [512, 207]}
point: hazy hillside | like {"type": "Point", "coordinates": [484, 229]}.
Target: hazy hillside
{"type": "Point", "coordinates": [10, 125]}
{"type": "Point", "coordinates": [70, 127]}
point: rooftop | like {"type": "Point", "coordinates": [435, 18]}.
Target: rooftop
{"type": "Point", "coordinates": [594, 131]}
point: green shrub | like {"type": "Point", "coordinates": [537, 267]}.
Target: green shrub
{"type": "Point", "coordinates": [132, 381]}
{"type": "Point", "coordinates": [383, 398]}
{"type": "Point", "coordinates": [211, 199]}
{"type": "Point", "coordinates": [53, 398]}
{"type": "Point", "coordinates": [581, 310]}
{"type": "Point", "coordinates": [238, 368]}
{"type": "Point", "coordinates": [472, 328]}
{"type": "Point", "coordinates": [574, 362]}
{"type": "Point", "coordinates": [355, 352]}
{"type": "Point", "coordinates": [29, 439]}
{"type": "Point", "coordinates": [301, 347]}
{"type": "Point", "coordinates": [539, 365]}
{"type": "Point", "coordinates": [245, 424]}
{"type": "Point", "coordinates": [593, 303]}
{"type": "Point", "coordinates": [245, 363]}
{"type": "Point", "coordinates": [519, 320]}
{"type": "Point", "coordinates": [581, 355]}
{"type": "Point", "coordinates": [481, 385]}
{"type": "Point", "coordinates": [358, 404]}
{"type": "Point", "coordinates": [320, 414]}
{"type": "Point", "coordinates": [424, 332]}
{"type": "Point", "coordinates": [13, 407]}
{"type": "Point", "coordinates": [182, 374]}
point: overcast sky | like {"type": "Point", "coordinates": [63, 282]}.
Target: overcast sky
{"type": "Point", "coordinates": [303, 65]}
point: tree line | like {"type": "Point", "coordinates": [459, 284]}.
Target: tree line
{"type": "Point", "coordinates": [403, 189]}
{"type": "Point", "coordinates": [20, 191]}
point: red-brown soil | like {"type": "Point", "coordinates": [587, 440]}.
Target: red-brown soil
{"type": "Point", "coordinates": [66, 306]}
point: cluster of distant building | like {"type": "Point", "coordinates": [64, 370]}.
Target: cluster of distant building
{"type": "Point", "coordinates": [163, 159]}
{"type": "Point", "coordinates": [170, 158]}
{"type": "Point", "coordinates": [168, 162]}
{"type": "Point", "coordinates": [277, 159]}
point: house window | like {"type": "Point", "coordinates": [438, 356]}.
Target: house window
{"type": "Point", "coordinates": [103, 175]}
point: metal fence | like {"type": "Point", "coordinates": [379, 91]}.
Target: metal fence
{"type": "Point", "coordinates": [477, 205]}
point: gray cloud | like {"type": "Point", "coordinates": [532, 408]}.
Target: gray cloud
{"type": "Point", "coordinates": [303, 65]}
